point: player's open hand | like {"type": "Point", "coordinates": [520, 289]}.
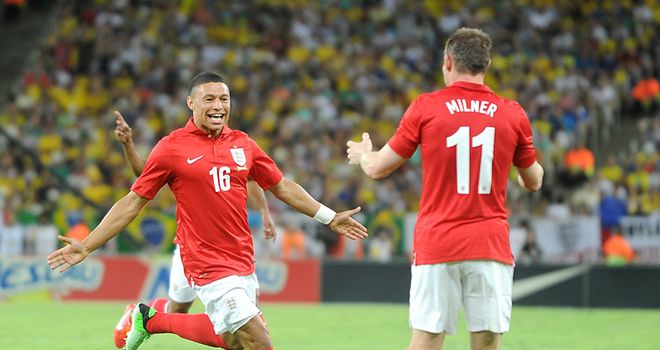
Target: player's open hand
{"type": "Point", "coordinates": [357, 149]}
{"type": "Point", "coordinates": [345, 225]}
{"type": "Point", "coordinates": [122, 131]}
{"type": "Point", "coordinates": [269, 227]}
{"type": "Point", "coordinates": [71, 254]}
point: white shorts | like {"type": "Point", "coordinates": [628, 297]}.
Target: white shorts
{"type": "Point", "coordinates": [483, 287]}
{"type": "Point", "coordinates": [230, 302]}
{"type": "Point", "coordinates": [179, 289]}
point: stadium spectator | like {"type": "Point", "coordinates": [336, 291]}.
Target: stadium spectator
{"type": "Point", "coordinates": [293, 242]}
{"type": "Point", "coordinates": [617, 250]}
{"type": "Point", "coordinates": [344, 249]}
{"type": "Point", "coordinates": [612, 171]}
{"type": "Point", "coordinates": [12, 237]}
{"type": "Point", "coordinates": [461, 252]}
{"type": "Point", "coordinates": [43, 236]}
{"type": "Point", "coordinates": [530, 253]}
{"type": "Point", "coordinates": [611, 209]}
{"type": "Point", "coordinates": [380, 245]}
{"type": "Point", "coordinates": [580, 161]}
{"type": "Point", "coordinates": [78, 230]}
{"type": "Point", "coordinates": [225, 285]}
{"type": "Point", "coordinates": [647, 93]}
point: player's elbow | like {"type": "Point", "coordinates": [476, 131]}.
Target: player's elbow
{"type": "Point", "coordinates": [376, 173]}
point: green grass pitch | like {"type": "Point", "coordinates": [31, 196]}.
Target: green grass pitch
{"type": "Point", "coordinates": [88, 326]}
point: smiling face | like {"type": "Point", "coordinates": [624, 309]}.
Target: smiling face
{"type": "Point", "coordinates": [210, 104]}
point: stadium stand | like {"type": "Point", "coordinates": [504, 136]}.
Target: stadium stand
{"type": "Point", "coordinates": [304, 76]}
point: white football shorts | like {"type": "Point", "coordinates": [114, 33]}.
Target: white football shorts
{"type": "Point", "coordinates": [179, 290]}
{"type": "Point", "coordinates": [483, 287]}
{"type": "Point", "coordinates": [230, 302]}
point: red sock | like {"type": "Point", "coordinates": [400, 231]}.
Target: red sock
{"type": "Point", "coordinates": [160, 304]}
{"type": "Point", "coordinates": [196, 327]}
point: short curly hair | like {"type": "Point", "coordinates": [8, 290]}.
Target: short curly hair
{"type": "Point", "coordinates": [203, 78]}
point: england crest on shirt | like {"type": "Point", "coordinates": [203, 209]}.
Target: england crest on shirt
{"type": "Point", "coordinates": [239, 156]}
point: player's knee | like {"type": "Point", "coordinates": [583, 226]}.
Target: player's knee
{"type": "Point", "coordinates": [257, 342]}
{"type": "Point", "coordinates": [232, 342]}
{"type": "Point", "coordinates": [255, 335]}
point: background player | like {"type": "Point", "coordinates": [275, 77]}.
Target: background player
{"type": "Point", "coordinates": [469, 137]}
{"type": "Point", "coordinates": [181, 295]}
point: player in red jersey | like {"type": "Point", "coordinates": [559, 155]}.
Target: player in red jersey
{"type": "Point", "coordinates": [180, 294]}
{"type": "Point", "coordinates": [469, 137]}
{"type": "Point", "coordinates": [206, 165]}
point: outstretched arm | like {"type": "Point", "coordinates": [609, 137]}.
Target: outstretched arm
{"type": "Point", "coordinates": [257, 198]}
{"type": "Point", "coordinates": [119, 216]}
{"type": "Point", "coordinates": [296, 197]}
{"type": "Point", "coordinates": [125, 136]}
{"type": "Point", "coordinates": [376, 165]}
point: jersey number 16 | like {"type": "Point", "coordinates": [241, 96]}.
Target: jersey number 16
{"type": "Point", "coordinates": [461, 140]}
{"type": "Point", "coordinates": [221, 179]}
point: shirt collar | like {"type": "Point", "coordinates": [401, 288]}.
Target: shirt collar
{"type": "Point", "coordinates": [471, 86]}
{"type": "Point", "coordinates": [193, 129]}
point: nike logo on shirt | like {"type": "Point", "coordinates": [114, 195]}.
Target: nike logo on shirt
{"type": "Point", "coordinates": [190, 161]}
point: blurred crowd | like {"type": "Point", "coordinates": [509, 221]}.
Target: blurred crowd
{"type": "Point", "coordinates": [307, 76]}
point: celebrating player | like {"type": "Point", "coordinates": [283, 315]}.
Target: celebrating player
{"type": "Point", "coordinates": [206, 165]}
{"type": "Point", "coordinates": [181, 294]}
{"type": "Point", "coordinates": [469, 137]}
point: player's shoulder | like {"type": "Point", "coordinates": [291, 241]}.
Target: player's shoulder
{"type": "Point", "coordinates": [238, 134]}
{"type": "Point", "coordinates": [508, 102]}
{"type": "Point", "coordinates": [174, 135]}
{"type": "Point", "coordinates": [240, 138]}
{"type": "Point", "coordinates": [429, 98]}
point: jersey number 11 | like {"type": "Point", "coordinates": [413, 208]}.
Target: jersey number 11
{"type": "Point", "coordinates": [461, 140]}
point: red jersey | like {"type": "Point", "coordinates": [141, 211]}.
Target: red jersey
{"type": "Point", "coordinates": [208, 177]}
{"type": "Point", "coordinates": [469, 137]}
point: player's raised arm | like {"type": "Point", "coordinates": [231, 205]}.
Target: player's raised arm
{"type": "Point", "coordinates": [531, 178]}
{"type": "Point", "coordinates": [125, 136]}
{"type": "Point", "coordinates": [296, 197]}
{"type": "Point", "coordinates": [257, 198]}
{"type": "Point", "coordinates": [119, 216]}
{"type": "Point", "coordinates": [376, 165]}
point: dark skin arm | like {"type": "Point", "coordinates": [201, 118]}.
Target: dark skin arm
{"type": "Point", "coordinates": [296, 197]}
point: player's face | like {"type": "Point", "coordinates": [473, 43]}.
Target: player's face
{"type": "Point", "coordinates": [210, 104]}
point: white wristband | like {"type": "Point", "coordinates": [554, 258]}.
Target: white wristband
{"type": "Point", "coordinates": [324, 215]}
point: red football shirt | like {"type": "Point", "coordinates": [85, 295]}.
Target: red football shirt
{"type": "Point", "coordinates": [208, 177]}
{"type": "Point", "coordinates": [469, 137]}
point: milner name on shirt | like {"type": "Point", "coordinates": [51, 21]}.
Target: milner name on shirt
{"type": "Point", "coordinates": [473, 106]}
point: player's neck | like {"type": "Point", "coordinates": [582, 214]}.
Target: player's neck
{"type": "Point", "coordinates": [468, 78]}
{"type": "Point", "coordinates": [215, 134]}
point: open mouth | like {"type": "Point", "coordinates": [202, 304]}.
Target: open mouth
{"type": "Point", "coordinates": [216, 116]}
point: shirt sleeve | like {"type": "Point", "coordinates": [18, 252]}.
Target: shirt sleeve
{"type": "Point", "coordinates": [408, 135]}
{"type": "Point", "coordinates": [264, 170]}
{"type": "Point", "coordinates": [156, 173]}
{"type": "Point", "coordinates": [525, 154]}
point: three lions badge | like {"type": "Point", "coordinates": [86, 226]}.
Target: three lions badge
{"type": "Point", "coordinates": [239, 156]}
